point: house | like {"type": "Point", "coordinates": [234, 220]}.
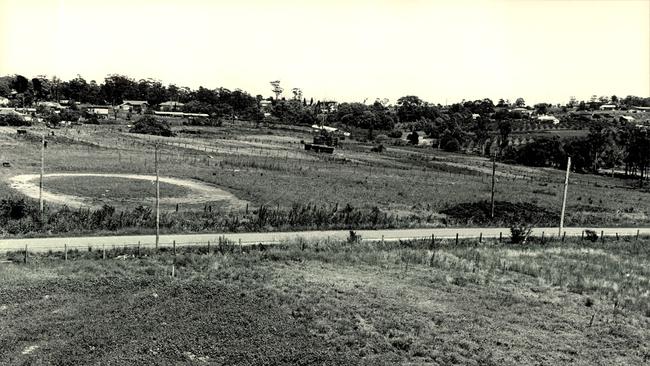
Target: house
{"type": "Point", "coordinates": [521, 110]}
{"type": "Point", "coordinates": [135, 106]}
{"type": "Point", "coordinates": [328, 106]}
{"type": "Point", "coordinates": [101, 111]}
{"type": "Point", "coordinates": [170, 106]}
{"type": "Point", "coordinates": [329, 129]}
{"type": "Point", "coordinates": [181, 114]}
{"type": "Point", "coordinates": [50, 105]}
{"type": "Point", "coordinates": [4, 102]}
{"type": "Point", "coordinates": [641, 109]}
{"type": "Point", "coordinates": [607, 107]}
{"type": "Point", "coordinates": [546, 118]}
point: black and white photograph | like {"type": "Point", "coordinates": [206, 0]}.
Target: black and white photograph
{"type": "Point", "coordinates": [324, 182]}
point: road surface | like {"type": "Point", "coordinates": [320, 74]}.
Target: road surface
{"type": "Point", "coordinates": [45, 244]}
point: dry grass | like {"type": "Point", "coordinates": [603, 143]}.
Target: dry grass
{"type": "Point", "coordinates": [331, 302]}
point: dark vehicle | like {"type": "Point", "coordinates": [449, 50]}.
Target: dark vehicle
{"type": "Point", "coordinates": [323, 142]}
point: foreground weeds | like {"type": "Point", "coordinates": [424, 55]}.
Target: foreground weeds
{"type": "Point", "coordinates": [327, 302]}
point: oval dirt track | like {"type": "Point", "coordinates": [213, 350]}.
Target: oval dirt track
{"type": "Point", "coordinates": [27, 184]}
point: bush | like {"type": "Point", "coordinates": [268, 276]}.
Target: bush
{"type": "Point", "coordinates": [520, 233]}
{"type": "Point", "coordinates": [591, 235]}
{"type": "Point", "coordinates": [12, 120]}
{"type": "Point", "coordinates": [395, 134]}
{"type": "Point", "coordinates": [379, 148]}
{"type": "Point", "coordinates": [452, 145]}
{"type": "Point", "coordinates": [149, 125]}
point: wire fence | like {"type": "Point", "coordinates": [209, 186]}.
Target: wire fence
{"type": "Point", "coordinates": [233, 242]}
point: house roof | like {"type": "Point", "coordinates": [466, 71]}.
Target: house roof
{"type": "Point", "coordinates": [135, 102]}
{"type": "Point", "coordinates": [172, 103]}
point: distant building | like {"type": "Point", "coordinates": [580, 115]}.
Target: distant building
{"type": "Point", "coordinates": [4, 102]}
{"type": "Point", "coordinates": [135, 106]}
{"type": "Point", "coordinates": [171, 106]}
{"type": "Point", "coordinates": [329, 106]}
{"type": "Point", "coordinates": [607, 107]}
{"type": "Point", "coordinates": [180, 114]}
{"type": "Point", "coordinates": [522, 110]}
{"type": "Point", "coordinates": [50, 105]}
{"type": "Point", "coordinates": [641, 109]}
{"type": "Point", "coordinates": [546, 118]}
{"type": "Point", "coordinates": [101, 111]}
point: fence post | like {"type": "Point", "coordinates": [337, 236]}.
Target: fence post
{"type": "Point", "coordinates": [382, 239]}
{"type": "Point", "coordinates": [616, 236]}
{"type": "Point", "coordinates": [104, 251]}
{"type": "Point", "coordinates": [602, 236]}
{"type": "Point", "coordinates": [637, 235]}
{"type": "Point", "coordinates": [241, 249]}
{"type": "Point", "coordinates": [582, 235]}
{"type": "Point", "coordinates": [65, 252]}
{"type": "Point", "coordinates": [563, 236]}
{"type": "Point", "coordinates": [456, 239]}
{"type": "Point", "coordinates": [500, 236]}
{"type": "Point", "coordinates": [25, 258]}
{"type": "Point", "coordinates": [208, 246]}
{"type": "Point", "coordinates": [174, 247]}
{"type": "Point", "coordinates": [138, 248]}
{"type": "Point", "coordinates": [480, 237]}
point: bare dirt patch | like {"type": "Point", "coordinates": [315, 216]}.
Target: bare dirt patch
{"type": "Point", "coordinates": [27, 184]}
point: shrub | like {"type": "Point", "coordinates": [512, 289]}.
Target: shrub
{"type": "Point", "coordinates": [12, 120]}
{"type": "Point", "coordinates": [395, 134]}
{"type": "Point", "coordinates": [149, 125]}
{"type": "Point", "coordinates": [520, 233]}
{"type": "Point", "coordinates": [452, 145]}
{"type": "Point", "coordinates": [379, 148]}
{"type": "Point", "coordinates": [591, 235]}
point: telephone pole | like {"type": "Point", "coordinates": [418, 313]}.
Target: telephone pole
{"type": "Point", "coordinates": [494, 168]}
{"type": "Point", "coordinates": [157, 196]}
{"type": "Point", "coordinates": [566, 186]}
{"type": "Point", "coordinates": [40, 185]}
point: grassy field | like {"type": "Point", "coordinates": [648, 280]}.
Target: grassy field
{"type": "Point", "coordinates": [267, 166]}
{"type": "Point", "coordinates": [111, 188]}
{"type": "Point", "coordinates": [578, 303]}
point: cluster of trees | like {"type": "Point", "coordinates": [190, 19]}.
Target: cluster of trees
{"type": "Point", "coordinates": [606, 146]}
{"type": "Point", "coordinates": [117, 88]}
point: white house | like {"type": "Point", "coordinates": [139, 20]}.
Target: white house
{"type": "Point", "coordinates": [546, 118]}
{"type": "Point", "coordinates": [607, 107]}
{"type": "Point", "coordinates": [171, 106]}
{"type": "Point", "coordinates": [101, 111]}
{"type": "Point", "coordinates": [137, 106]}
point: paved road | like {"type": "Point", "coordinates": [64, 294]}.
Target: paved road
{"type": "Point", "coordinates": [44, 244]}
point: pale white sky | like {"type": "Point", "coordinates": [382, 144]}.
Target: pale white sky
{"type": "Point", "coordinates": [343, 50]}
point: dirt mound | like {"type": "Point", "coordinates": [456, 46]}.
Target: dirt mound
{"type": "Point", "coordinates": [505, 213]}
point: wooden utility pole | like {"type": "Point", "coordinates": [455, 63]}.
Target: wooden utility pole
{"type": "Point", "coordinates": [566, 186]}
{"type": "Point", "coordinates": [157, 196]}
{"type": "Point", "coordinates": [40, 185]}
{"type": "Point", "coordinates": [494, 168]}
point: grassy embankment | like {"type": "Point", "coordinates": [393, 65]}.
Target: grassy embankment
{"type": "Point", "coordinates": [578, 303]}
